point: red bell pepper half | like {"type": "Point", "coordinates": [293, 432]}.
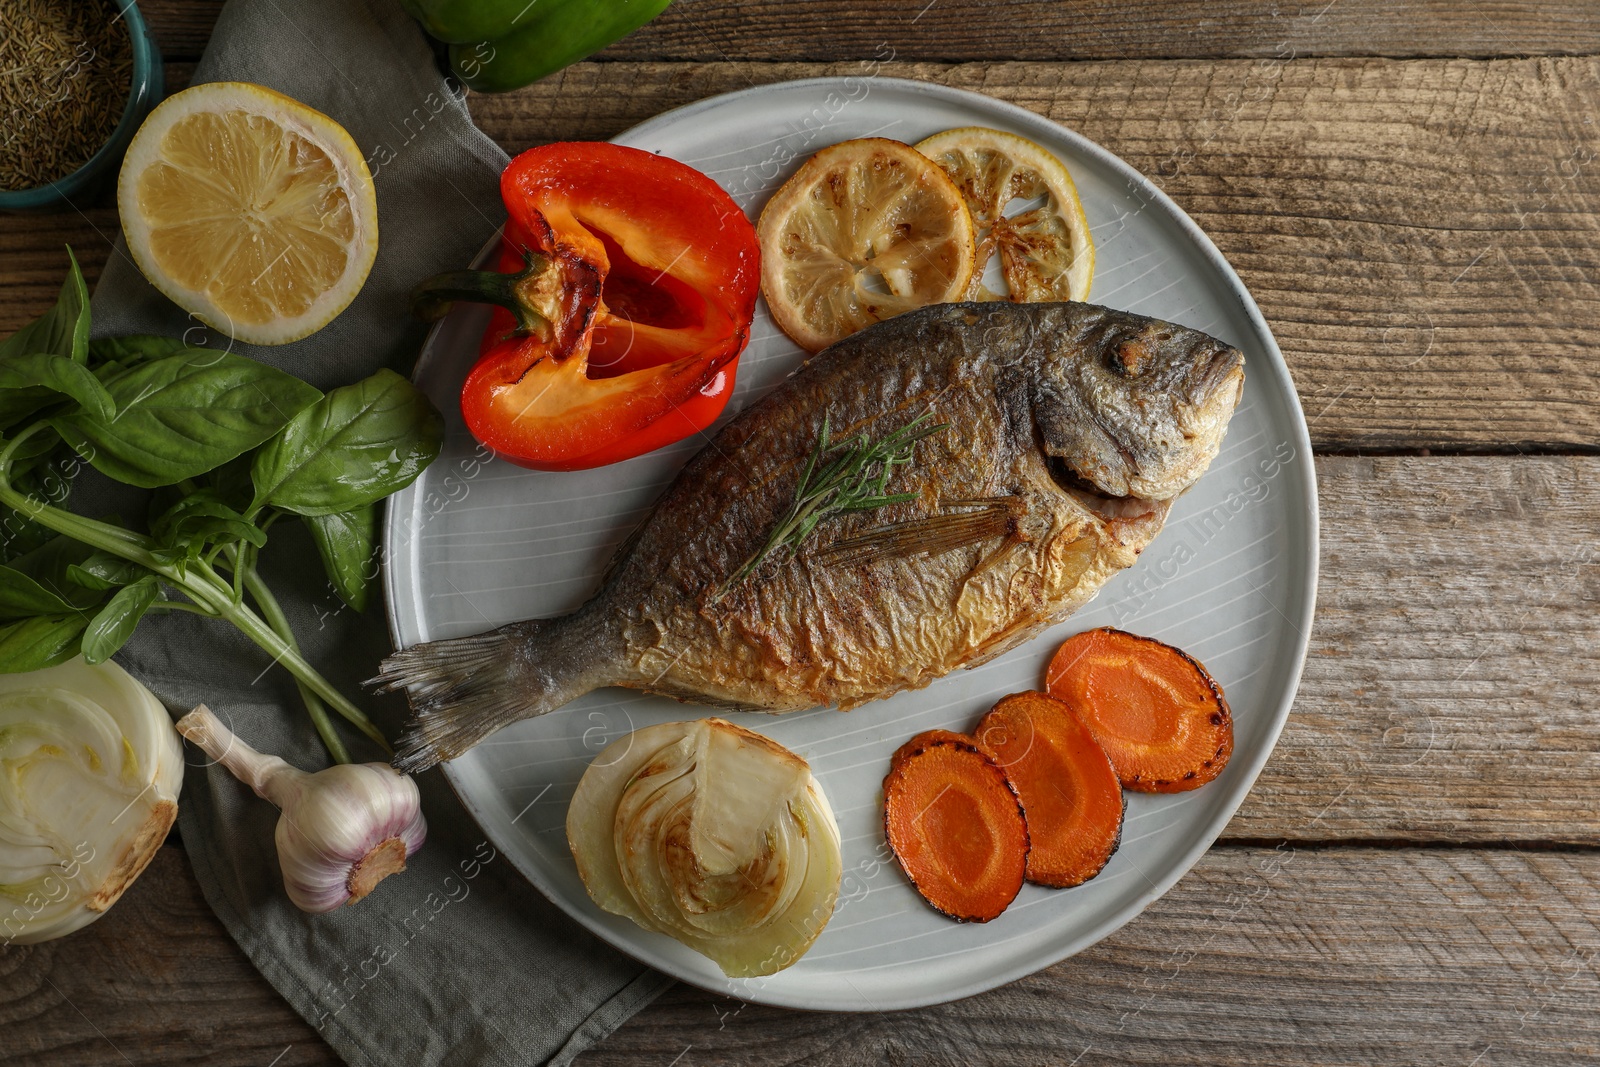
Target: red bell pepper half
{"type": "Point", "coordinates": [626, 286]}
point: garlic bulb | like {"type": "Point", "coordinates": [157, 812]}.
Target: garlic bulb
{"type": "Point", "coordinates": [90, 770]}
{"type": "Point", "coordinates": [711, 834]}
{"type": "Point", "coordinates": [343, 830]}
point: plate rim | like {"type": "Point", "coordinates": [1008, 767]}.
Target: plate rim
{"type": "Point", "coordinates": [1242, 783]}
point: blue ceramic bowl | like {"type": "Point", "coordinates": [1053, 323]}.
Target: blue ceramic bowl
{"type": "Point", "coordinates": [88, 180]}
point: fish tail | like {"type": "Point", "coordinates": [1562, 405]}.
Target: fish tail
{"type": "Point", "coordinates": [463, 690]}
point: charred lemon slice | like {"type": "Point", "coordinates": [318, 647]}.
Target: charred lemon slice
{"type": "Point", "coordinates": [1045, 249]}
{"type": "Point", "coordinates": [864, 231]}
{"type": "Point", "coordinates": [250, 210]}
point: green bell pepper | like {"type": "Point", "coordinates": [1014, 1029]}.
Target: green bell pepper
{"type": "Point", "coordinates": [467, 21]}
{"type": "Point", "coordinates": [548, 35]}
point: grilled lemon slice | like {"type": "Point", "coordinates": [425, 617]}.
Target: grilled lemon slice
{"type": "Point", "coordinates": [865, 230]}
{"type": "Point", "coordinates": [1045, 249]}
{"type": "Point", "coordinates": [249, 210]}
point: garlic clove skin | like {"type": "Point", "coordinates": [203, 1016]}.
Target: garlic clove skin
{"type": "Point", "coordinates": [345, 830]}
{"type": "Point", "coordinates": [342, 831]}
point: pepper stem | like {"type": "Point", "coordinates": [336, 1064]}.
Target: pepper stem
{"type": "Point", "coordinates": [431, 299]}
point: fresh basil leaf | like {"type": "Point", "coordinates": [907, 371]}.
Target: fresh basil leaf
{"type": "Point", "coordinates": [51, 561]}
{"type": "Point", "coordinates": [231, 482]}
{"type": "Point", "coordinates": [102, 571]}
{"type": "Point", "coordinates": [22, 596]}
{"type": "Point", "coordinates": [352, 448]}
{"type": "Point", "coordinates": [25, 405]}
{"type": "Point", "coordinates": [199, 532]}
{"type": "Point", "coordinates": [345, 541]}
{"type": "Point", "coordinates": [180, 416]}
{"type": "Point", "coordinates": [41, 370]}
{"type": "Point", "coordinates": [40, 642]}
{"type": "Point", "coordinates": [162, 500]}
{"type": "Point", "coordinates": [42, 480]}
{"type": "Point", "coordinates": [178, 557]}
{"type": "Point", "coordinates": [201, 517]}
{"type": "Point", "coordinates": [61, 331]}
{"type": "Point", "coordinates": [110, 629]}
{"type": "Point", "coordinates": [46, 478]}
{"type": "Point", "coordinates": [110, 370]}
{"type": "Point", "coordinates": [133, 348]}
{"type": "Point", "coordinates": [39, 445]}
{"type": "Point", "coordinates": [19, 534]}
{"type": "Point", "coordinates": [46, 566]}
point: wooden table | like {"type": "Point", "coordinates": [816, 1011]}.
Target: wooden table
{"type": "Point", "coordinates": [1410, 188]}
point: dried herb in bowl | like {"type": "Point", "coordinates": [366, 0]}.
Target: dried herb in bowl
{"type": "Point", "coordinates": [66, 69]}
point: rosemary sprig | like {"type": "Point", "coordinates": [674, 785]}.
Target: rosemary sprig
{"type": "Point", "coordinates": [848, 475]}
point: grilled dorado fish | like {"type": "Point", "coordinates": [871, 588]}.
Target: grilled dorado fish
{"type": "Point", "coordinates": [1067, 431]}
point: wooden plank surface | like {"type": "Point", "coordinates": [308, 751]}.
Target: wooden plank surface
{"type": "Point", "coordinates": [1455, 654]}
{"type": "Point", "coordinates": [1259, 956]}
{"type": "Point", "coordinates": [156, 981]}
{"type": "Point", "coordinates": [1423, 236]}
{"type": "Point", "coordinates": [1288, 955]}
{"type": "Point", "coordinates": [822, 30]}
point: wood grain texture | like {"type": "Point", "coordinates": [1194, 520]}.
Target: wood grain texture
{"type": "Point", "coordinates": [1286, 956]}
{"type": "Point", "coordinates": [1105, 29]}
{"type": "Point", "coordinates": [156, 981]}
{"type": "Point", "coordinates": [1422, 236]}
{"type": "Point", "coordinates": [822, 30]}
{"type": "Point", "coordinates": [1455, 654]}
{"type": "Point", "coordinates": [35, 257]}
{"type": "Point", "coordinates": [1326, 958]}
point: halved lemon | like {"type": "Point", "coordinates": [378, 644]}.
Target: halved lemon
{"type": "Point", "coordinates": [250, 210]}
{"type": "Point", "coordinates": [1045, 249]}
{"type": "Point", "coordinates": [865, 230]}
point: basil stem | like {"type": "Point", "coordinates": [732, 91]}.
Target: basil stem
{"type": "Point", "coordinates": [196, 579]}
{"type": "Point", "coordinates": [314, 706]}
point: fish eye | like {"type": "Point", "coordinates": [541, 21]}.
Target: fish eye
{"type": "Point", "coordinates": [1134, 355]}
{"type": "Point", "coordinates": [1129, 357]}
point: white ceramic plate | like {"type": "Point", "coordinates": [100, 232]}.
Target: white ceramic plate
{"type": "Point", "coordinates": [1231, 580]}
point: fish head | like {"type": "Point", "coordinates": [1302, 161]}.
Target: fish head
{"type": "Point", "coordinates": [1130, 406]}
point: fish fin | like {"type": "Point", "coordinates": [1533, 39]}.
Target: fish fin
{"type": "Point", "coordinates": [465, 689]}
{"type": "Point", "coordinates": [930, 535]}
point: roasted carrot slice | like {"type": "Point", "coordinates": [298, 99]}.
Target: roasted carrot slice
{"type": "Point", "coordinates": [1069, 791]}
{"type": "Point", "coordinates": [1157, 713]}
{"type": "Point", "coordinates": [928, 737]}
{"type": "Point", "coordinates": [956, 826]}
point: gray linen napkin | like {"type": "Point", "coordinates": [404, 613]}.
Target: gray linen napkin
{"type": "Point", "coordinates": [457, 960]}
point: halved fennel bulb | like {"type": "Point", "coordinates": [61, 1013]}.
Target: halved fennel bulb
{"type": "Point", "coordinates": [90, 769]}
{"type": "Point", "coordinates": [711, 834]}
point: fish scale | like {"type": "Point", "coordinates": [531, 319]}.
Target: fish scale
{"type": "Point", "coordinates": [1068, 430]}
